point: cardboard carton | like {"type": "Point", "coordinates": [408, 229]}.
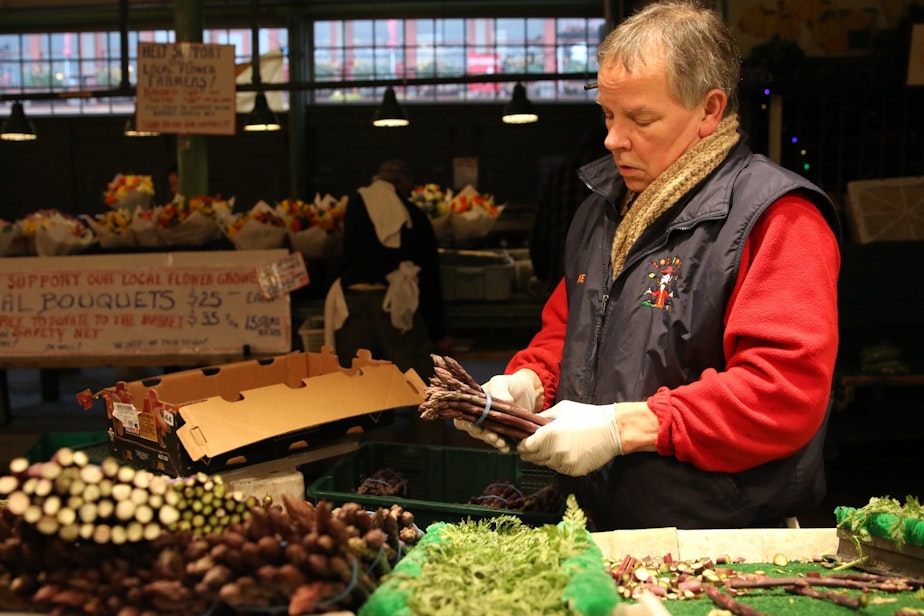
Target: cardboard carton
{"type": "Point", "coordinates": [219, 417]}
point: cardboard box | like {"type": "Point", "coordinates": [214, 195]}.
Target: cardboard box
{"type": "Point", "coordinates": [220, 417]}
{"type": "Point", "coordinates": [889, 209]}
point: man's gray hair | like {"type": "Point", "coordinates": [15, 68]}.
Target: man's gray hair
{"type": "Point", "coordinates": [698, 49]}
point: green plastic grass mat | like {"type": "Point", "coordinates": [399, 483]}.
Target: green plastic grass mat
{"type": "Point", "coordinates": [778, 601]}
{"type": "Point", "coordinates": [499, 566]}
{"type": "Point", "coordinates": [886, 518]}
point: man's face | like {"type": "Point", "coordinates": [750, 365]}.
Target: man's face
{"type": "Point", "coordinates": [647, 128]}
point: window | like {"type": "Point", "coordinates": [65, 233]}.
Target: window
{"type": "Point", "coordinates": [84, 62]}
{"type": "Point", "coordinates": [396, 49]}
{"type": "Point", "coordinates": [344, 51]}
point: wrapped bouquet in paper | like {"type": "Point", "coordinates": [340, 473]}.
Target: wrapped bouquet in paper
{"type": "Point", "coordinates": [12, 242]}
{"type": "Point", "coordinates": [113, 229]}
{"type": "Point", "coordinates": [144, 228]}
{"type": "Point", "coordinates": [51, 233]}
{"type": "Point", "coordinates": [129, 191]}
{"type": "Point", "coordinates": [472, 214]}
{"type": "Point", "coordinates": [434, 202]}
{"type": "Point", "coordinates": [192, 222]}
{"type": "Point", "coordinates": [314, 228]}
{"type": "Point", "coordinates": [259, 229]}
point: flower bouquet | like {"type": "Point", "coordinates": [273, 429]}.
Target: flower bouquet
{"type": "Point", "coordinates": [192, 222]}
{"type": "Point", "coordinates": [113, 229]}
{"type": "Point", "coordinates": [52, 233]}
{"type": "Point", "coordinates": [11, 239]}
{"type": "Point", "coordinates": [434, 202]}
{"type": "Point", "coordinates": [143, 227]}
{"type": "Point", "coordinates": [259, 229]}
{"type": "Point", "coordinates": [129, 191]}
{"type": "Point", "coordinates": [472, 214]}
{"type": "Point", "coordinates": [313, 228]}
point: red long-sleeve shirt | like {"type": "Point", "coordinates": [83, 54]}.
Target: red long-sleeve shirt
{"type": "Point", "coordinates": [780, 345]}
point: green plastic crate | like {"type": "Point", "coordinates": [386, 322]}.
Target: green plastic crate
{"type": "Point", "coordinates": [94, 444]}
{"type": "Point", "coordinates": [440, 480]}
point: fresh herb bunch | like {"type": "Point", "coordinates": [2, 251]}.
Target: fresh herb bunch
{"type": "Point", "coordinates": [500, 566]}
{"type": "Point", "coordinates": [901, 517]}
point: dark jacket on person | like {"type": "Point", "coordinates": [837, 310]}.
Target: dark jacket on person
{"type": "Point", "coordinates": [366, 260]}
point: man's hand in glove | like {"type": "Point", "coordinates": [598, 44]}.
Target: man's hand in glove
{"type": "Point", "coordinates": [582, 438]}
{"type": "Point", "coordinates": [523, 388]}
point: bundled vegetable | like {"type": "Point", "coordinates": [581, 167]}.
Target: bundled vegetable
{"type": "Point", "coordinates": [505, 495]}
{"type": "Point", "coordinates": [186, 545]}
{"type": "Point", "coordinates": [454, 394]}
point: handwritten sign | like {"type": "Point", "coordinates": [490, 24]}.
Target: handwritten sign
{"type": "Point", "coordinates": [186, 88]}
{"type": "Point", "coordinates": [157, 304]}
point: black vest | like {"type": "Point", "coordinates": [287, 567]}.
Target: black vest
{"type": "Point", "coordinates": [660, 323]}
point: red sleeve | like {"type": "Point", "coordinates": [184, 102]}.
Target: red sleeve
{"type": "Point", "coordinates": [543, 355]}
{"type": "Point", "coordinates": [780, 343]}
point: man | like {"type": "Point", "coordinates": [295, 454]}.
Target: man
{"type": "Point", "coordinates": [391, 277]}
{"type": "Point", "coordinates": [688, 353]}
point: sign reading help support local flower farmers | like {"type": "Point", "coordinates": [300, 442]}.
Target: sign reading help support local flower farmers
{"type": "Point", "coordinates": [186, 88]}
{"type": "Point", "coordinates": [181, 303]}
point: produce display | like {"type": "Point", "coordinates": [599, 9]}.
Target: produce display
{"type": "Point", "coordinates": [496, 495]}
{"type": "Point", "coordinates": [499, 566]}
{"type": "Point", "coordinates": [819, 585]}
{"type": "Point", "coordinates": [81, 538]}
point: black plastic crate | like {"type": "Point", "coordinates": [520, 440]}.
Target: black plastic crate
{"type": "Point", "coordinates": [441, 480]}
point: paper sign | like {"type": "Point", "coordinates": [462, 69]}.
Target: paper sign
{"type": "Point", "coordinates": [183, 303]}
{"type": "Point", "coordinates": [186, 88]}
{"type": "Point", "coordinates": [282, 276]}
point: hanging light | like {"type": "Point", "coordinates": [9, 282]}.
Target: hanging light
{"type": "Point", "coordinates": [261, 117]}
{"type": "Point", "coordinates": [131, 129]}
{"type": "Point", "coordinates": [18, 127]}
{"type": "Point", "coordinates": [390, 113]}
{"type": "Point", "coordinates": [519, 110]}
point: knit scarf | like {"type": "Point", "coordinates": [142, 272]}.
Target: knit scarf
{"type": "Point", "coordinates": [639, 210]}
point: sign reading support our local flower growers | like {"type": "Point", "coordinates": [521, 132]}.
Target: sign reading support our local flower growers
{"type": "Point", "coordinates": [186, 88]}
{"type": "Point", "coordinates": [181, 303]}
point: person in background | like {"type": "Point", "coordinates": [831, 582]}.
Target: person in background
{"type": "Point", "coordinates": [687, 355]}
{"type": "Point", "coordinates": [173, 181]}
{"type": "Point", "coordinates": [392, 303]}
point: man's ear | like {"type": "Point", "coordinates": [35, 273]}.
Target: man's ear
{"type": "Point", "coordinates": [714, 105]}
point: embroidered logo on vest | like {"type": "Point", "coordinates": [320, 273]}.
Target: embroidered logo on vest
{"type": "Point", "coordinates": [580, 278]}
{"type": "Point", "coordinates": [661, 291]}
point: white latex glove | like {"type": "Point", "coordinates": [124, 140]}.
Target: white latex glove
{"type": "Point", "coordinates": [582, 438]}
{"type": "Point", "coordinates": [523, 388]}
{"type": "Point", "coordinates": [488, 436]}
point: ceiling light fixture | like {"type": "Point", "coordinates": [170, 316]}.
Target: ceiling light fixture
{"type": "Point", "coordinates": [261, 117]}
{"type": "Point", "coordinates": [390, 113]}
{"type": "Point", "coordinates": [519, 110]}
{"type": "Point", "coordinates": [18, 127]}
{"type": "Point", "coordinates": [131, 129]}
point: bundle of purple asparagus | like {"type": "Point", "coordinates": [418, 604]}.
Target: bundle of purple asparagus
{"type": "Point", "coordinates": [454, 394]}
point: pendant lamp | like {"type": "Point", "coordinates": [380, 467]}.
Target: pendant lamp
{"type": "Point", "coordinates": [132, 131]}
{"type": "Point", "coordinates": [261, 117]}
{"type": "Point", "coordinates": [519, 110]}
{"type": "Point", "coordinates": [18, 127]}
{"type": "Point", "coordinates": [390, 113]}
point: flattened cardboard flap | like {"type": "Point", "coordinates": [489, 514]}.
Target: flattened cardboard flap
{"type": "Point", "coordinates": [216, 425]}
